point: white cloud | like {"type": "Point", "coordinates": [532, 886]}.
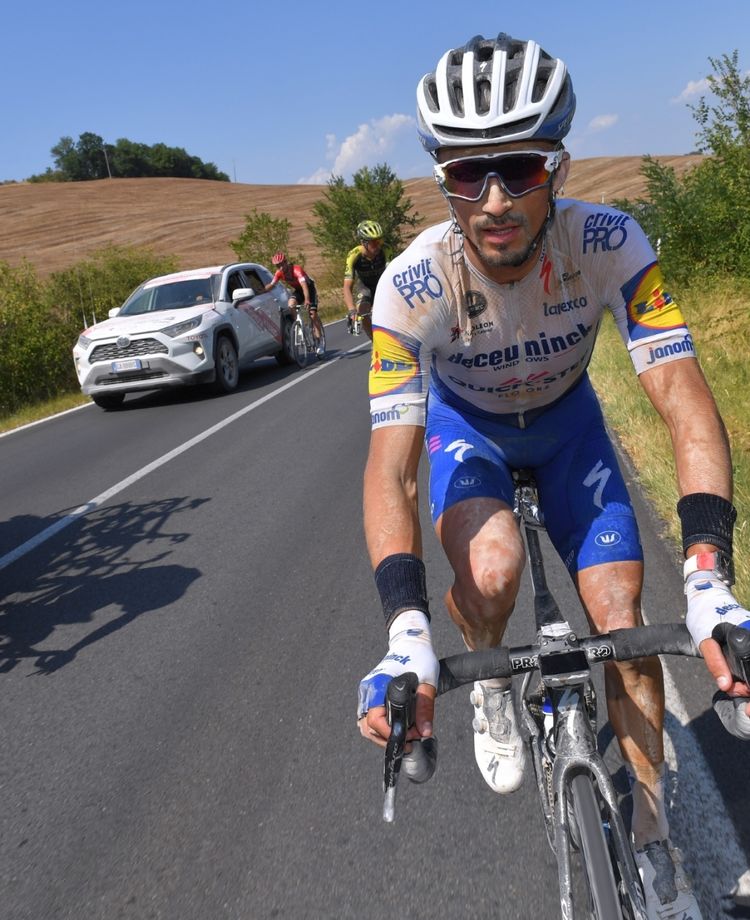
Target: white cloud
{"type": "Point", "coordinates": [694, 88]}
{"type": "Point", "coordinates": [602, 122]}
{"type": "Point", "coordinates": [370, 144]}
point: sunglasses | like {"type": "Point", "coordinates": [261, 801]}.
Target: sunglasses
{"type": "Point", "coordinates": [519, 172]}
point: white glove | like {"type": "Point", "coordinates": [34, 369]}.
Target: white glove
{"type": "Point", "coordinates": [409, 649]}
{"type": "Point", "coordinates": [710, 602]}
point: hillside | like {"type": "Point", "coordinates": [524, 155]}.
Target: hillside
{"type": "Point", "coordinates": [54, 225]}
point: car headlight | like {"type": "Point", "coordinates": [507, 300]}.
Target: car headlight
{"type": "Point", "coordinates": [83, 342]}
{"type": "Point", "coordinates": [181, 328]}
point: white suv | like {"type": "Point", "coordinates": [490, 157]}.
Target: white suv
{"type": "Point", "coordinates": [198, 326]}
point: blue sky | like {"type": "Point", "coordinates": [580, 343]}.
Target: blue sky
{"type": "Point", "coordinates": [289, 92]}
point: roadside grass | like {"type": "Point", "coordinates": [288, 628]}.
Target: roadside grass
{"type": "Point", "coordinates": [719, 318]}
{"type": "Point", "coordinates": [42, 410]}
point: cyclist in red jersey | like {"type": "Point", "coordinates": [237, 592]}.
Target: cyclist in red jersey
{"type": "Point", "coordinates": [303, 290]}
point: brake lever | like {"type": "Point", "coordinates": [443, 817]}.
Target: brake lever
{"type": "Point", "coordinates": [400, 709]}
{"type": "Point", "coordinates": [735, 643]}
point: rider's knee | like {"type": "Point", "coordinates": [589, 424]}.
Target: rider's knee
{"type": "Point", "coordinates": [489, 588]}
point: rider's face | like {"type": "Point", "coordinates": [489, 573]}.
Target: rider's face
{"type": "Point", "coordinates": [501, 229]}
{"type": "Point", "coordinates": [372, 247]}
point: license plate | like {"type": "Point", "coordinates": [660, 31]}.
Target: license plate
{"type": "Point", "coordinates": [131, 364]}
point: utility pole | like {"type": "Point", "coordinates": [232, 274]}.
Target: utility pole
{"type": "Point", "coordinates": [106, 160]}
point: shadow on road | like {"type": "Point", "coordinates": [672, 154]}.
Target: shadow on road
{"type": "Point", "coordinates": [105, 570]}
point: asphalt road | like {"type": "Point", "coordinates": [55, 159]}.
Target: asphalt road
{"type": "Point", "coordinates": [186, 609]}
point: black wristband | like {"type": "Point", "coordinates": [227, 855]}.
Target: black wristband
{"type": "Point", "coordinates": [401, 583]}
{"type": "Point", "coordinates": [707, 518]}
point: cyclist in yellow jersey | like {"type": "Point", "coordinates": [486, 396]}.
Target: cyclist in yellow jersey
{"type": "Point", "coordinates": [364, 266]}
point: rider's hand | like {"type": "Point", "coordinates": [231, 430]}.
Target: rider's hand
{"type": "Point", "coordinates": [710, 602]}
{"type": "Point", "coordinates": [409, 649]}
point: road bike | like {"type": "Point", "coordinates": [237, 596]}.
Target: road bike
{"type": "Point", "coordinates": [356, 324]}
{"type": "Point", "coordinates": [557, 702]}
{"type": "Point", "coordinates": [305, 344]}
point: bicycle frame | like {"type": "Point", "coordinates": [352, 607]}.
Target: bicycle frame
{"type": "Point", "coordinates": [568, 747]}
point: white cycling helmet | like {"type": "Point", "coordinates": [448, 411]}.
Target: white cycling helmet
{"type": "Point", "coordinates": [492, 91]}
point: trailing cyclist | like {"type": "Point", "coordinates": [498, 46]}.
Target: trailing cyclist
{"type": "Point", "coordinates": [364, 266]}
{"type": "Point", "coordinates": [483, 329]}
{"type": "Point", "coordinates": [302, 290]}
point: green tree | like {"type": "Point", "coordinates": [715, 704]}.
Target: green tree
{"type": "Point", "coordinates": [91, 158]}
{"type": "Point", "coordinates": [375, 194]}
{"type": "Point", "coordinates": [262, 236]}
{"type": "Point", "coordinates": [701, 221]}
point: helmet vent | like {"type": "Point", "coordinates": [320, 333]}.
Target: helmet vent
{"type": "Point", "coordinates": [431, 94]}
{"type": "Point", "coordinates": [511, 91]}
{"type": "Point", "coordinates": [483, 95]}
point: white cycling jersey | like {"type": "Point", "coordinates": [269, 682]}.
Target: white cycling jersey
{"type": "Point", "coordinates": [494, 348]}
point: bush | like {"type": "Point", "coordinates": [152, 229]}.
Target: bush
{"type": "Point", "coordinates": [40, 320]}
{"type": "Point", "coordinates": [700, 223]}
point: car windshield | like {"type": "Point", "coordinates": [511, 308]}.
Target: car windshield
{"type": "Point", "coordinates": [174, 295]}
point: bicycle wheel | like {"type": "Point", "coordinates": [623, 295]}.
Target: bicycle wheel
{"type": "Point", "coordinates": [299, 345]}
{"type": "Point", "coordinates": [595, 853]}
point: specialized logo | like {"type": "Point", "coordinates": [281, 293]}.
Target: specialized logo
{"type": "Point", "coordinates": [394, 414]}
{"type": "Point", "coordinates": [418, 282]}
{"type": "Point", "coordinates": [598, 477]}
{"type": "Point", "coordinates": [683, 347]}
{"type": "Point", "coordinates": [649, 307]}
{"type": "Point", "coordinates": [395, 364]}
{"type": "Point", "coordinates": [605, 232]}
{"type": "Point", "coordinates": [459, 449]}
{"type": "Point", "coordinates": [607, 538]}
{"type": "Point", "coordinates": [467, 482]}
{"type": "Point", "coordinates": [545, 272]}
{"type": "Point", "coordinates": [476, 303]}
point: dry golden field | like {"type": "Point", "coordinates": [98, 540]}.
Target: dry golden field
{"type": "Point", "coordinates": [54, 225]}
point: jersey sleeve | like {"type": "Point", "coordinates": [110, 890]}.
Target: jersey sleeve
{"type": "Point", "coordinates": [349, 264]}
{"type": "Point", "coordinates": [648, 318]}
{"type": "Point", "coordinates": [299, 273]}
{"type": "Point", "coordinates": [411, 303]}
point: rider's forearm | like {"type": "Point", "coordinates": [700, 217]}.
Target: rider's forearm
{"type": "Point", "coordinates": [391, 514]}
{"type": "Point", "coordinates": [702, 457]}
{"type": "Point", "coordinates": [348, 298]}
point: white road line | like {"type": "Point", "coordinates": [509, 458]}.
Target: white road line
{"type": "Point", "coordinates": [78, 512]}
{"type": "Point", "coordinates": [699, 823]}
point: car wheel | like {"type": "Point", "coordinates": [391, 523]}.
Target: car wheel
{"type": "Point", "coordinates": [109, 401]}
{"type": "Point", "coordinates": [286, 355]}
{"type": "Point", "coordinates": [227, 366]}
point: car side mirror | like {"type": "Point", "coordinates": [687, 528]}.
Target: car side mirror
{"type": "Point", "coordinates": [242, 294]}
{"type": "Point", "coordinates": [113, 312]}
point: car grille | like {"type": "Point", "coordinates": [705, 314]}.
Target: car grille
{"type": "Point", "coordinates": [136, 348]}
{"type": "Point", "coordinates": [130, 376]}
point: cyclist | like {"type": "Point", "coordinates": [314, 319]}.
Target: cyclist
{"type": "Point", "coordinates": [302, 290]}
{"type": "Point", "coordinates": [494, 314]}
{"type": "Point", "coordinates": [364, 266]}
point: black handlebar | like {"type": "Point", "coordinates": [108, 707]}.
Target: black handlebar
{"type": "Point", "coordinates": [618, 645]}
